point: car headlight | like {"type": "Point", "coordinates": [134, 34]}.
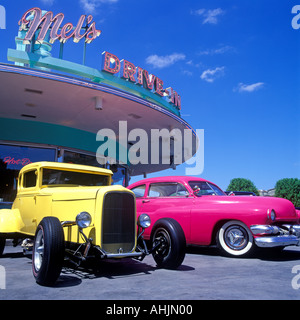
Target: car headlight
{"type": "Point", "coordinates": [83, 219]}
{"type": "Point", "coordinates": [273, 215]}
{"type": "Point", "coordinates": [144, 221]}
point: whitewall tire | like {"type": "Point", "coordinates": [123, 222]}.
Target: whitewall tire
{"type": "Point", "coordinates": [235, 239]}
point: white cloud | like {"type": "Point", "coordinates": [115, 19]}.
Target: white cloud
{"type": "Point", "coordinates": [209, 16]}
{"type": "Point", "coordinates": [210, 75]}
{"type": "Point", "coordinates": [249, 87]}
{"type": "Point", "coordinates": [164, 61]}
{"type": "Point", "coordinates": [194, 65]}
{"type": "Point", "coordinates": [187, 73]}
{"type": "Point", "coordinates": [90, 6]}
{"type": "Point", "coordinates": [221, 50]}
{"type": "Point", "coordinates": [198, 12]}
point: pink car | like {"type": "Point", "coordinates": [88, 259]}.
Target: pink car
{"type": "Point", "coordinates": [208, 216]}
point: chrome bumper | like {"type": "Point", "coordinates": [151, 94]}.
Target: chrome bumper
{"type": "Point", "coordinates": [134, 254]}
{"type": "Point", "coordinates": [277, 241]}
{"type": "Point", "coordinates": [268, 236]}
{"type": "Point", "coordinates": [124, 255]}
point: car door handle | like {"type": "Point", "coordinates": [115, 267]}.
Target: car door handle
{"type": "Point", "coordinates": [146, 201]}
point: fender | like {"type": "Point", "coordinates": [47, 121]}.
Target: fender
{"type": "Point", "coordinates": [10, 221]}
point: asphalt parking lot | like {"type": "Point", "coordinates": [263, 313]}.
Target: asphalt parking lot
{"type": "Point", "coordinates": [204, 275]}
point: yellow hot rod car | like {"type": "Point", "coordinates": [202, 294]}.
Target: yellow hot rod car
{"type": "Point", "coordinates": [72, 212]}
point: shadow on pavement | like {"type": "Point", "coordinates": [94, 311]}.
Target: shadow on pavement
{"type": "Point", "coordinates": [109, 269]}
{"type": "Point", "coordinates": [267, 254]}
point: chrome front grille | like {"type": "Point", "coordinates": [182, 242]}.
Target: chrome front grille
{"type": "Point", "coordinates": [118, 222]}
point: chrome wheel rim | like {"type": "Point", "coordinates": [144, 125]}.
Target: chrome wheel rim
{"type": "Point", "coordinates": [236, 238]}
{"type": "Point", "coordinates": [163, 236]}
{"type": "Point", "coordinates": [39, 250]}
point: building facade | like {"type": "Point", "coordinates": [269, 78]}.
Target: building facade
{"type": "Point", "coordinates": [52, 109]}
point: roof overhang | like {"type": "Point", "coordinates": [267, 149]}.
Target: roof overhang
{"type": "Point", "coordinates": [59, 101]}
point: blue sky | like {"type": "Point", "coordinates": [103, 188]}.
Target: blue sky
{"type": "Point", "coordinates": [235, 64]}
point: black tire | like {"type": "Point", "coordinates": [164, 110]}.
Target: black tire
{"type": "Point", "coordinates": [2, 245]}
{"type": "Point", "coordinates": [235, 239]}
{"type": "Point", "coordinates": [48, 251]}
{"type": "Point", "coordinates": [171, 253]}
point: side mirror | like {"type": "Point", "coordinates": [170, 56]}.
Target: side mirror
{"type": "Point", "coordinates": [196, 193]}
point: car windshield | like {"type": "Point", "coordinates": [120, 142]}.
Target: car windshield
{"type": "Point", "coordinates": [64, 177]}
{"type": "Point", "coordinates": [203, 188]}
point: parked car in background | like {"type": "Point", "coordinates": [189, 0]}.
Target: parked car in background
{"type": "Point", "coordinates": [72, 212]}
{"type": "Point", "coordinates": [240, 193]}
{"type": "Point", "coordinates": [208, 216]}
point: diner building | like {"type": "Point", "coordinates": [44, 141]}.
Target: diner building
{"type": "Point", "coordinates": [53, 109]}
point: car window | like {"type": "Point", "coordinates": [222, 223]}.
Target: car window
{"type": "Point", "coordinates": [203, 188]}
{"type": "Point", "coordinates": [29, 179]}
{"type": "Point", "coordinates": [217, 190]}
{"type": "Point", "coordinates": [167, 189]}
{"type": "Point", "coordinates": [139, 191]}
{"type": "Point", "coordinates": [181, 191]}
{"type": "Point", "coordinates": [65, 177]}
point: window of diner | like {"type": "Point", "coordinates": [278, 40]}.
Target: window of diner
{"type": "Point", "coordinates": [80, 158]}
{"type": "Point", "coordinates": [12, 159]}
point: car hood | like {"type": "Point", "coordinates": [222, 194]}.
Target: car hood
{"type": "Point", "coordinates": [284, 209]}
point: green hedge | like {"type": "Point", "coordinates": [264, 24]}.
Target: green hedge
{"type": "Point", "coordinates": [242, 184]}
{"type": "Point", "coordinates": [289, 188]}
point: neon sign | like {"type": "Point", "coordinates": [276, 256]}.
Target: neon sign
{"type": "Point", "coordinates": [23, 162]}
{"type": "Point", "coordinates": [40, 26]}
{"type": "Point", "coordinates": [34, 19]}
{"type": "Point", "coordinates": [127, 70]}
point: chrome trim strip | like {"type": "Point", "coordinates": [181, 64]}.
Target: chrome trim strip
{"type": "Point", "coordinates": [279, 241]}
